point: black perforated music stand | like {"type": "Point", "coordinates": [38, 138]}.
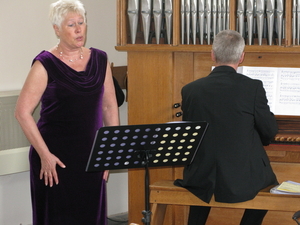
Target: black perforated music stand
{"type": "Point", "coordinates": [151, 145]}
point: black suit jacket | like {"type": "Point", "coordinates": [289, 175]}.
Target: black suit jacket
{"type": "Point", "coordinates": [231, 162]}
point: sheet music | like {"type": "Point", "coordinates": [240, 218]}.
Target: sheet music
{"type": "Point", "coordinates": [287, 188]}
{"type": "Point", "coordinates": [282, 86]}
{"type": "Point", "coordinates": [288, 92]}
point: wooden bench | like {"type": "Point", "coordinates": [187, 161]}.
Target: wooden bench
{"type": "Point", "coordinates": [163, 193]}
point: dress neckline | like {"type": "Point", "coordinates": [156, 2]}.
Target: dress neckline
{"type": "Point", "coordinates": [81, 71]}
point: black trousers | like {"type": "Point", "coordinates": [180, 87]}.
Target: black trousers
{"type": "Point", "coordinates": [198, 216]}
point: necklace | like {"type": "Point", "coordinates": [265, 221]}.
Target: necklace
{"type": "Point", "coordinates": [61, 55]}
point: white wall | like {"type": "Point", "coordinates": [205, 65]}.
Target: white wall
{"type": "Point", "coordinates": [25, 31]}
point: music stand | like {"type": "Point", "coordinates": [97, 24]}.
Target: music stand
{"type": "Point", "coordinates": [150, 145]}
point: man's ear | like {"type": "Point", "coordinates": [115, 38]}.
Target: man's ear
{"type": "Point", "coordinates": [242, 58]}
{"type": "Point", "coordinates": [212, 55]}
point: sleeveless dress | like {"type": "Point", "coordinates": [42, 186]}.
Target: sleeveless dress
{"type": "Point", "coordinates": [71, 113]}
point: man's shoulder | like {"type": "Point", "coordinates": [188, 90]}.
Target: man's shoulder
{"type": "Point", "coordinates": [249, 80]}
{"type": "Point", "coordinates": [194, 83]}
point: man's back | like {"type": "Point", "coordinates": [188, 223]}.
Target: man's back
{"type": "Point", "coordinates": [231, 161]}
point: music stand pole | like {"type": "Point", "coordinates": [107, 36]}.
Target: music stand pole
{"type": "Point", "coordinates": [147, 213]}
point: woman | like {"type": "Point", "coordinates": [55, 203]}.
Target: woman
{"type": "Point", "coordinates": [75, 87]}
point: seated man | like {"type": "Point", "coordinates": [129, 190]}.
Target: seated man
{"type": "Point", "coordinates": [231, 163]}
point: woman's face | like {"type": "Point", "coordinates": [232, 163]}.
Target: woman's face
{"type": "Point", "coordinates": [72, 31]}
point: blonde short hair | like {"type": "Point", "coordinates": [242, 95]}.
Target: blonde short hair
{"type": "Point", "coordinates": [59, 9]}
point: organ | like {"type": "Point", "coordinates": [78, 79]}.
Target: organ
{"type": "Point", "coordinates": [156, 74]}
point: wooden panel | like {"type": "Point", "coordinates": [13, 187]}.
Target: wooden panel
{"type": "Point", "coordinates": [284, 156]}
{"type": "Point", "coordinates": [288, 172]}
{"type": "Point", "coordinates": [202, 64]}
{"type": "Point", "coordinates": [149, 101]}
{"type": "Point", "coordinates": [176, 23]}
{"type": "Point", "coordinates": [232, 11]}
{"type": "Point", "coordinates": [121, 22]}
{"type": "Point", "coordinates": [183, 74]}
{"type": "Point", "coordinates": [288, 18]}
{"type": "Point", "coordinates": [271, 60]}
{"type": "Point", "coordinates": [150, 93]}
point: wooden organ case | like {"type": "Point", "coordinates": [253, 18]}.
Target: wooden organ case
{"type": "Point", "coordinates": [156, 73]}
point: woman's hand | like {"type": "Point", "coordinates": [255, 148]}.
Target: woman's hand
{"type": "Point", "coordinates": [105, 175]}
{"type": "Point", "coordinates": [48, 170]}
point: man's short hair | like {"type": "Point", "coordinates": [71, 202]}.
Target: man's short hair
{"type": "Point", "coordinates": [228, 47]}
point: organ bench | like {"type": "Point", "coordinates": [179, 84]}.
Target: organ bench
{"type": "Point", "coordinates": [164, 193]}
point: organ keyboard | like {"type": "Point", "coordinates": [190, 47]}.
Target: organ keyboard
{"type": "Point", "coordinates": [286, 145]}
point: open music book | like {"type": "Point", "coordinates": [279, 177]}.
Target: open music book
{"type": "Point", "coordinates": [282, 87]}
{"type": "Point", "coordinates": [287, 188]}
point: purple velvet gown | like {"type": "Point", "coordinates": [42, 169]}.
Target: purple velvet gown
{"type": "Point", "coordinates": [70, 116]}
